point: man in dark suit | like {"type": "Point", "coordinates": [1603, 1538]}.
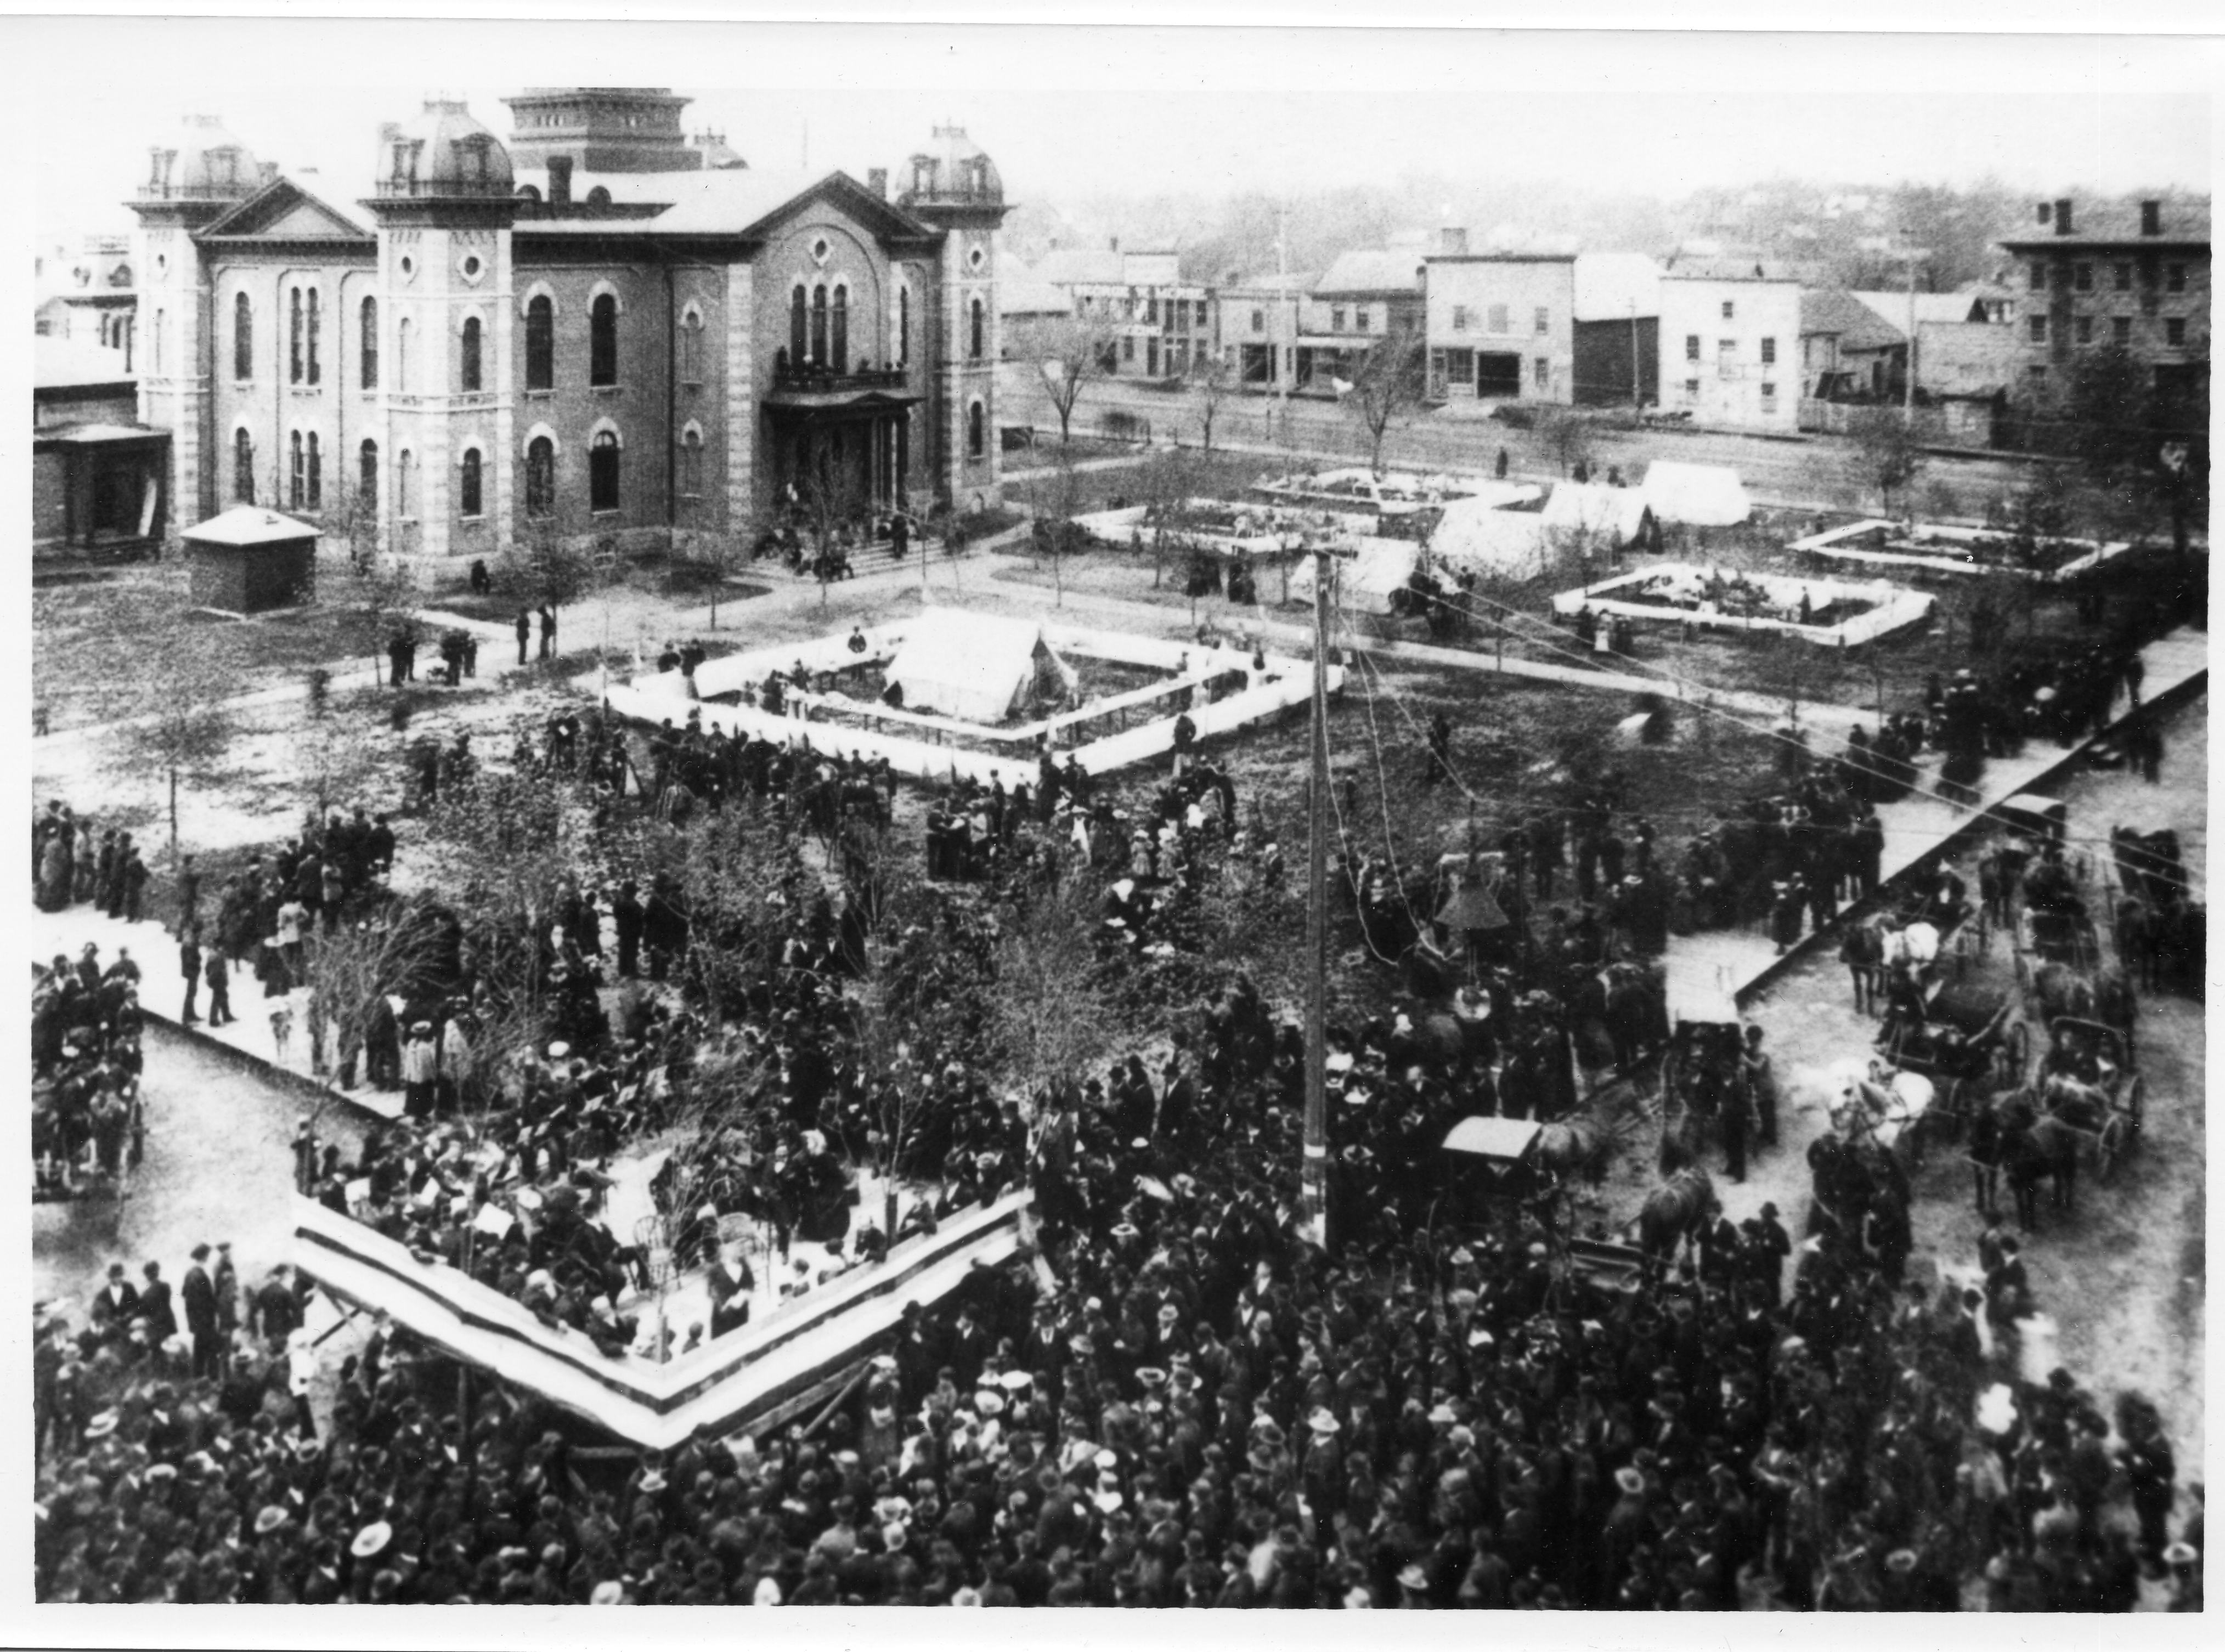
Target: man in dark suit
{"type": "Point", "coordinates": [115, 1305]}
{"type": "Point", "coordinates": [189, 965]}
{"type": "Point", "coordinates": [275, 1311]}
{"type": "Point", "coordinates": [197, 1292]}
{"type": "Point", "coordinates": [155, 1306]}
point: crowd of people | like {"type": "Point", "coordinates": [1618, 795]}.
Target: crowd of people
{"type": "Point", "coordinates": [1177, 1401]}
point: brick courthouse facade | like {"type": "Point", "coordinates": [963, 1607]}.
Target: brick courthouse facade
{"type": "Point", "coordinates": [604, 329]}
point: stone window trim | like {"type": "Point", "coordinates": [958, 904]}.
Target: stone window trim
{"type": "Point", "coordinates": [539, 289]}
{"type": "Point", "coordinates": [536, 433]}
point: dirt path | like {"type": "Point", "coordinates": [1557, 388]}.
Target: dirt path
{"type": "Point", "coordinates": [2124, 1274]}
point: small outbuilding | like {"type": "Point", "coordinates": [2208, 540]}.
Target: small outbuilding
{"type": "Point", "coordinates": [250, 560]}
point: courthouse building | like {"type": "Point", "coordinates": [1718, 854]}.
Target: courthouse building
{"type": "Point", "coordinates": [604, 329]}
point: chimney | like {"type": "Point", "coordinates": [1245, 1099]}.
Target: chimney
{"type": "Point", "coordinates": [2150, 218]}
{"type": "Point", "coordinates": [2047, 212]}
{"type": "Point", "coordinates": [1452, 242]}
{"type": "Point", "coordinates": [877, 180]}
{"type": "Point", "coordinates": [1116, 243]}
{"type": "Point", "coordinates": [269, 171]}
{"type": "Point", "coordinates": [2061, 217]}
{"type": "Point", "coordinates": [559, 180]}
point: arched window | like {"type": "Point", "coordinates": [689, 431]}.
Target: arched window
{"type": "Point", "coordinates": [405, 484]}
{"type": "Point", "coordinates": [691, 348]}
{"type": "Point", "coordinates": [467, 489]}
{"type": "Point", "coordinates": [366, 480]}
{"type": "Point", "coordinates": [468, 358]}
{"type": "Point", "coordinates": [798, 349]}
{"type": "Point", "coordinates": [904, 326]}
{"type": "Point", "coordinates": [841, 353]}
{"type": "Point", "coordinates": [541, 478]}
{"type": "Point", "coordinates": [977, 336]}
{"type": "Point", "coordinates": [243, 338]}
{"type": "Point", "coordinates": [316, 474]}
{"type": "Point", "coordinates": [402, 362]}
{"type": "Point", "coordinates": [603, 341]}
{"type": "Point", "coordinates": [293, 335]}
{"type": "Point", "coordinates": [243, 467]}
{"type": "Point", "coordinates": [819, 326]}
{"type": "Point", "coordinates": [297, 483]}
{"type": "Point", "coordinates": [977, 431]}
{"type": "Point", "coordinates": [316, 364]}
{"type": "Point", "coordinates": [370, 344]}
{"type": "Point", "coordinates": [691, 464]}
{"type": "Point", "coordinates": [541, 344]}
{"type": "Point", "coordinates": [602, 472]}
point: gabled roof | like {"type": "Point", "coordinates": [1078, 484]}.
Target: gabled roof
{"type": "Point", "coordinates": [1353, 274]}
{"type": "Point", "coordinates": [250, 525]}
{"type": "Point", "coordinates": [719, 202]}
{"type": "Point", "coordinates": [283, 211]}
{"type": "Point", "coordinates": [1020, 291]}
{"type": "Point", "coordinates": [1070, 266]}
{"type": "Point", "coordinates": [1857, 326]}
{"type": "Point", "coordinates": [1615, 285]}
{"type": "Point", "coordinates": [1892, 307]}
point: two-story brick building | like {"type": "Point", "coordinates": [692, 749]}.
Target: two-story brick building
{"type": "Point", "coordinates": [1158, 325]}
{"type": "Point", "coordinates": [592, 332]}
{"type": "Point", "coordinates": [2096, 277]}
{"type": "Point", "coordinates": [1730, 338]}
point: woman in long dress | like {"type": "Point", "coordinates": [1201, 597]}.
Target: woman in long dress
{"type": "Point", "coordinates": [55, 869]}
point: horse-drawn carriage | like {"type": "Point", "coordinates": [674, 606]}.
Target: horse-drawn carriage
{"type": "Point", "coordinates": [2089, 1085]}
{"type": "Point", "coordinates": [1971, 1042]}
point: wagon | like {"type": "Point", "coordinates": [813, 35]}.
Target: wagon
{"type": "Point", "coordinates": [2054, 938]}
{"type": "Point", "coordinates": [1971, 1043]}
{"type": "Point", "coordinates": [2043, 820]}
{"type": "Point", "coordinates": [2117, 1131]}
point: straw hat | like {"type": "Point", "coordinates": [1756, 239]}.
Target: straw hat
{"type": "Point", "coordinates": [371, 1540]}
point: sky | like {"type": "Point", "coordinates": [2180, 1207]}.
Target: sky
{"type": "Point", "coordinates": [1073, 113]}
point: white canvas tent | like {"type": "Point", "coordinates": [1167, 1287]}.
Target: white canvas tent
{"type": "Point", "coordinates": [1616, 515]}
{"type": "Point", "coordinates": [1366, 580]}
{"type": "Point", "coordinates": [1700, 496]}
{"type": "Point", "coordinates": [974, 666]}
{"type": "Point", "coordinates": [1472, 535]}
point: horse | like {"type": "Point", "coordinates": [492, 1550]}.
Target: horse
{"type": "Point", "coordinates": [1629, 1004]}
{"type": "Point", "coordinates": [1678, 1210]}
{"type": "Point", "coordinates": [1862, 949]}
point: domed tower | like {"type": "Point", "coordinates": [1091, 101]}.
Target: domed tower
{"type": "Point", "coordinates": [200, 174]}
{"type": "Point", "coordinates": [952, 185]}
{"type": "Point", "coordinates": [443, 204]}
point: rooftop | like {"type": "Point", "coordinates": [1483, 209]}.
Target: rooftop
{"type": "Point", "coordinates": [75, 363]}
{"type": "Point", "coordinates": [1834, 310]}
{"type": "Point", "coordinates": [1371, 271]}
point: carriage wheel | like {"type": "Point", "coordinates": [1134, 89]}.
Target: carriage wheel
{"type": "Point", "coordinates": [2107, 1146]}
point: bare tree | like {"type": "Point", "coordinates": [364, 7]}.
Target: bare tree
{"type": "Point", "coordinates": [1046, 1007]}
{"type": "Point", "coordinates": [1567, 435]}
{"type": "Point", "coordinates": [1068, 352]}
{"type": "Point", "coordinates": [550, 566]}
{"type": "Point", "coordinates": [1166, 483]}
{"type": "Point", "coordinates": [1053, 532]}
{"type": "Point", "coordinates": [1213, 384]}
{"type": "Point", "coordinates": [182, 725]}
{"type": "Point", "coordinates": [1386, 388]}
{"type": "Point", "coordinates": [830, 503]}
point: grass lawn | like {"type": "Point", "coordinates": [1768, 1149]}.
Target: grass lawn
{"type": "Point", "coordinates": [91, 641]}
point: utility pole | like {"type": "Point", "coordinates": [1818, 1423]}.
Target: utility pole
{"type": "Point", "coordinates": [1636, 372]}
{"type": "Point", "coordinates": [1286, 354]}
{"type": "Point", "coordinates": [1313, 1181]}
